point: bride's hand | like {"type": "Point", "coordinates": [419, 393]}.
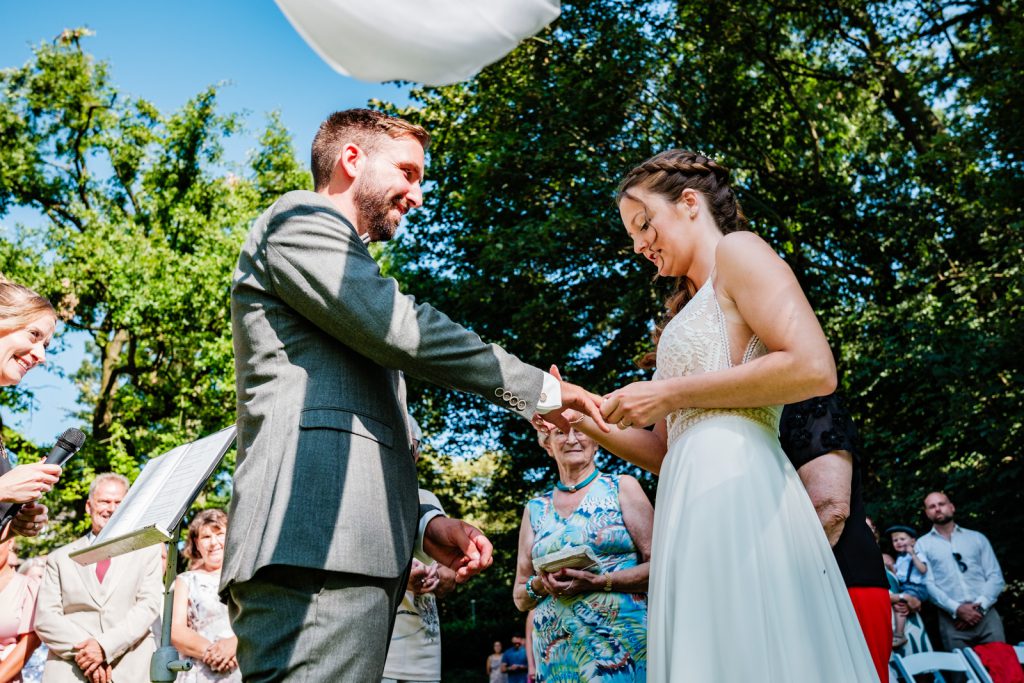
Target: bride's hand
{"type": "Point", "coordinates": [635, 405]}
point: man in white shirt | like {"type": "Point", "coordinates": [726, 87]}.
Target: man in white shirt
{"type": "Point", "coordinates": [963, 579]}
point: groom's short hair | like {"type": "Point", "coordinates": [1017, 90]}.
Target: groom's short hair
{"type": "Point", "coordinates": [365, 128]}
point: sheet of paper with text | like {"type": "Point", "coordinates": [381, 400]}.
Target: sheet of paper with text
{"type": "Point", "coordinates": [159, 498]}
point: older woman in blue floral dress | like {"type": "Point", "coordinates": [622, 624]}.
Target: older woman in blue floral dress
{"type": "Point", "coordinates": [589, 625]}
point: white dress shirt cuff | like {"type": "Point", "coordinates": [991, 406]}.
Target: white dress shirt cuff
{"type": "Point", "coordinates": [550, 395]}
{"type": "Point", "coordinates": [418, 551]}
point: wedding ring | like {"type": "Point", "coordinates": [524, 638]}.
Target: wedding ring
{"type": "Point", "coordinates": [624, 425]}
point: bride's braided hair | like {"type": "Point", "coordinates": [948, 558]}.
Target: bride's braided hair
{"type": "Point", "coordinates": [668, 174]}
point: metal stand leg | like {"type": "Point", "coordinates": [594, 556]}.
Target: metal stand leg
{"type": "Point", "coordinates": [166, 662]}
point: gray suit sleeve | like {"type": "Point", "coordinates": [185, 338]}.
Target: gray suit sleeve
{"type": "Point", "coordinates": [320, 268]}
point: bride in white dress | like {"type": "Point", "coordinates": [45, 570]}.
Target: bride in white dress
{"type": "Point", "coordinates": [744, 586]}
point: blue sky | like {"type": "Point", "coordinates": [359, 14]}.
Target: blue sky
{"type": "Point", "coordinates": [166, 53]}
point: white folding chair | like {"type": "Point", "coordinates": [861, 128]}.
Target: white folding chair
{"type": "Point", "coordinates": [933, 663]}
{"type": "Point", "coordinates": [1019, 649]}
{"type": "Point", "coordinates": [975, 661]}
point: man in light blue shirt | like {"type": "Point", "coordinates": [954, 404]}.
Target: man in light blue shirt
{"type": "Point", "coordinates": [963, 578]}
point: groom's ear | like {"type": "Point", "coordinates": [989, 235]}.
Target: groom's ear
{"type": "Point", "coordinates": [350, 162]}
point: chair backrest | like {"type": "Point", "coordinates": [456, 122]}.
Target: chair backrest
{"type": "Point", "coordinates": [1019, 649]}
{"type": "Point", "coordinates": [975, 661]}
{"type": "Point", "coordinates": [932, 662]}
{"type": "Point", "coordinates": [917, 636]}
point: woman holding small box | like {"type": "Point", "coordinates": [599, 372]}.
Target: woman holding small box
{"type": "Point", "coordinates": [589, 624]}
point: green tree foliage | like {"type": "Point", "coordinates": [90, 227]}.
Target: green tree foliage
{"type": "Point", "coordinates": [876, 145]}
{"type": "Point", "coordinates": [139, 231]}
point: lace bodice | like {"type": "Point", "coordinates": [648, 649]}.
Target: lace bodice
{"type": "Point", "coordinates": [695, 341]}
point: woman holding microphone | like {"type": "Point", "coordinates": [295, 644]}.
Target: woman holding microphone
{"type": "Point", "coordinates": [27, 323]}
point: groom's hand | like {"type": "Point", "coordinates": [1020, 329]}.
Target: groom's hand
{"type": "Point", "coordinates": [575, 398]}
{"type": "Point", "coordinates": [457, 545]}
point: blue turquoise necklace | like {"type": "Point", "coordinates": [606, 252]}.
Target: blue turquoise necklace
{"type": "Point", "coordinates": [576, 487]}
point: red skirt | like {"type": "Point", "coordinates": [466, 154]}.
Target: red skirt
{"type": "Point", "coordinates": [874, 612]}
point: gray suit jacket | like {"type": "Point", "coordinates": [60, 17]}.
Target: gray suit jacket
{"type": "Point", "coordinates": [324, 477]}
{"type": "Point", "coordinates": [74, 606]}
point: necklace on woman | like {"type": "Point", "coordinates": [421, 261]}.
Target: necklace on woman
{"type": "Point", "coordinates": [576, 487]}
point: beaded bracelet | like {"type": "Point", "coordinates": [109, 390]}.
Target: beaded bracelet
{"type": "Point", "coordinates": [529, 589]}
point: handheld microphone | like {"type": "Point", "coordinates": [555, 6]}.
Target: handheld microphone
{"type": "Point", "coordinates": [67, 445]}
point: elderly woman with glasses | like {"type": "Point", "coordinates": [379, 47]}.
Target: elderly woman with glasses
{"type": "Point", "coordinates": [590, 624]}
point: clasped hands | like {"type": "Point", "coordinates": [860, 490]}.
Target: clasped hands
{"type": "Point", "coordinates": [220, 655]}
{"type": "Point", "coordinates": [968, 615]}
{"type": "Point", "coordinates": [90, 658]}
{"type": "Point", "coordinates": [635, 405]}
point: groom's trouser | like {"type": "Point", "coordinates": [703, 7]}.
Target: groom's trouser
{"type": "Point", "coordinates": [309, 625]}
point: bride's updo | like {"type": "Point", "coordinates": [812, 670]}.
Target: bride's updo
{"type": "Point", "coordinates": [668, 174]}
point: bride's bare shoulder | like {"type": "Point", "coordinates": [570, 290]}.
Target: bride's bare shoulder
{"type": "Point", "coordinates": [742, 245]}
{"type": "Point", "coordinates": [745, 254]}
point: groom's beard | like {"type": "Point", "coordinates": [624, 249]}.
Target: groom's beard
{"type": "Point", "coordinates": [375, 207]}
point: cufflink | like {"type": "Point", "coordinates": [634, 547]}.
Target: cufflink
{"type": "Point", "coordinates": [543, 397]}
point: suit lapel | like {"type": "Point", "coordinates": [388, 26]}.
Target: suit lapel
{"type": "Point", "coordinates": [118, 566]}
{"type": "Point", "coordinates": [87, 573]}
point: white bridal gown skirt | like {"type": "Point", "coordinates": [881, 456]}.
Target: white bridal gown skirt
{"type": "Point", "coordinates": [744, 586]}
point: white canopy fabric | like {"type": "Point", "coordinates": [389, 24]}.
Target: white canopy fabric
{"type": "Point", "coordinates": [435, 42]}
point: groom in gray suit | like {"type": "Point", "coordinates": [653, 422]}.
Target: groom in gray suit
{"type": "Point", "coordinates": [324, 514]}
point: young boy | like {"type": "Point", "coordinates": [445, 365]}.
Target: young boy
{"type": "Point", "coordinates": [910, 571]}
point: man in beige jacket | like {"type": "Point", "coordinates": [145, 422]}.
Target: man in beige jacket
{"type": "Point", "coordinates": [96, 618]}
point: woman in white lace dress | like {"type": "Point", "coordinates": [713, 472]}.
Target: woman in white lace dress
{"type": "Point", "coordinates": [200, 628]}
{"type": "Point", "coordinates": [743, 583]}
